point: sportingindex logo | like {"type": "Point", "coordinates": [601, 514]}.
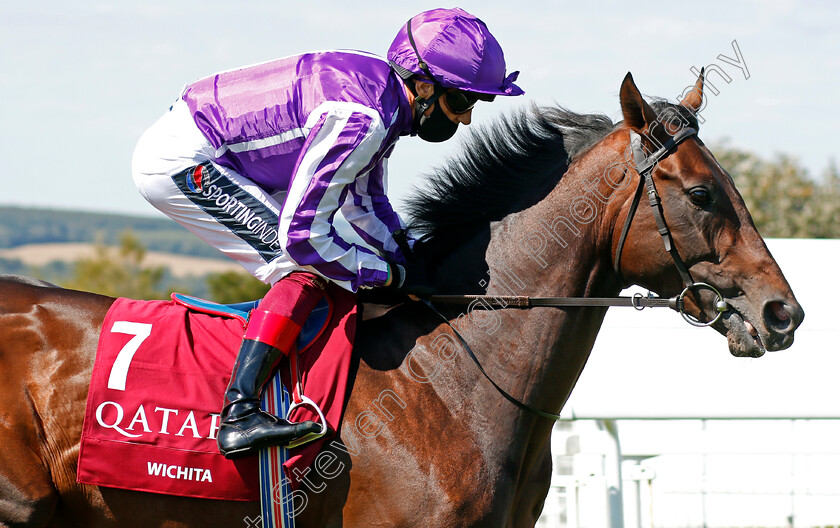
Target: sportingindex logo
{"type": "Point", "coordinates": [231, 206]}
{"type": "Point", "coordinates": [194, 182]}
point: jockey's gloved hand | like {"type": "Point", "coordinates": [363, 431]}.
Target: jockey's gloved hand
{"type": "Point", "coordinates": [411, 278]}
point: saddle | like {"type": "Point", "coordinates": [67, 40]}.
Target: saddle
{"type": "Point", "coordinates": [310, 331]}
{"type": "Point", "coordinates": [156, 390]}
{"type": "Point", "coordinates": [330, 327]}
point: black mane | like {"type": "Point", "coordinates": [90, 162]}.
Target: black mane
{"type": "Point", "coordinates": [506, 167]}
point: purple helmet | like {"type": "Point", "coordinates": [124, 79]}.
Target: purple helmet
{"type": "Point", "coordinates": [456, 49]}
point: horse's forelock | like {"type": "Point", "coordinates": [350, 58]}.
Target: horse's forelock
{"type": "Point", "coordinates": [665, 109]}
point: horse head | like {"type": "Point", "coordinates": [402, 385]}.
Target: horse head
{"type": "Point", "coordinates": [712, 230]}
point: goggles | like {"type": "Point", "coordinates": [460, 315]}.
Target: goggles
{"type": "Point", "coordinates": [460, 102]}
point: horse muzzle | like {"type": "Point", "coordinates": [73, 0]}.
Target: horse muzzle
{"type": "Point", "coordinates": [751, 332]}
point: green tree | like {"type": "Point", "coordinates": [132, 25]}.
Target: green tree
{"type": "Point", "coordinates": [827, 209]}
{"type": "Point", "coordinates": [783, 199]}
{"type": "Point", "coordinates": [233, 287]}
{"type": "Point", "coordinates": [119, 272]}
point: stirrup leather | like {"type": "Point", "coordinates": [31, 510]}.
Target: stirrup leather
{"type": "Point", "coordinates": [299, 400]}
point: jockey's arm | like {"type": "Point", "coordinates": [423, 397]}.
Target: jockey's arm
{"type": "Point", "coordinates": [368, 210]}
{"type": "Point", "coordinates": [342, 144]}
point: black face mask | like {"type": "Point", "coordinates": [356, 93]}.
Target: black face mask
{"type": "Point", "coordinates": [436, 127]}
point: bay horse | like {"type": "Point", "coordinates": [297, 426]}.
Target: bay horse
{"type": "Point", "coordinates": [532, 207]}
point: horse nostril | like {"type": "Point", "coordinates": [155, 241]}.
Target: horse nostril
{"type": "Point", "coordinates": [779, 311]}
{"type": "Point", "coordinates": [778, 317]}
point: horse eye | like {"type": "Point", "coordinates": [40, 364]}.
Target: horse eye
{"type": "Point", "coordinates": [700, 196]}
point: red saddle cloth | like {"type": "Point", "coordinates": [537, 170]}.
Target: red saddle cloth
{"type": "Point", "coordinates": [156, 392]}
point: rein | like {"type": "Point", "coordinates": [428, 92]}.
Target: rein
{"type": "Point", "coordinates": [644, 166]}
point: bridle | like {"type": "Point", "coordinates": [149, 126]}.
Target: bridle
{"type": "Point", "coordinates": [644, 166]}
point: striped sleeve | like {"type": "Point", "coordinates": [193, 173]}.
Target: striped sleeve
{"type": "Point", "coordinates": [370, 213]}
{"type": "Point", "coordinates": [343, 141]}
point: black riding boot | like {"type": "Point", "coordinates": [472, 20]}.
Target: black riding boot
{"type": "Point", "coordinates": [245, 428]}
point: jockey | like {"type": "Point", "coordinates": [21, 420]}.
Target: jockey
{"type": "Point", "coordinates": [257, 161]}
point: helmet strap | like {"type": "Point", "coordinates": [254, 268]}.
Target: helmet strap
{"type": "Point", "coordinates": [421, 105]}
{"type": "Point", "coordinates": [420, 62]}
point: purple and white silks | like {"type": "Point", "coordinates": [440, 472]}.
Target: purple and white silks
{"type": "Point", "coordinates": [318, 127]}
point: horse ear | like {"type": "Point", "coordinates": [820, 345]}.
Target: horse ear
{"type": "Point", "coordinates": [694, 100]}
{"type": "Point", "coordinates": [637, 113]}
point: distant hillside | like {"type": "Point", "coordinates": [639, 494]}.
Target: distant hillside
{"type": "Point", "coordinates": [23, 226]}
{"type": "Point", "coordinates": [40, 256]}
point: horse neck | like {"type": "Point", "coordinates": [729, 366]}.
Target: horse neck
{"type": "Point", "coordinates": [558, 247]}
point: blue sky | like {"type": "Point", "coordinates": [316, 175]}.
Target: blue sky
{"type": "Point", "coordinates": [82, 80]}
